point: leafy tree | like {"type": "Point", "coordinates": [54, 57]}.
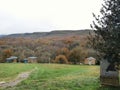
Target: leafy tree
{"type": "Point", "coordinates": [77, 55]}
{"type": "Point", "coordinates": [6, 54]}
{"type": "Point", "coordinates": [106, 37]}
{"type": "Point", "coordinates": [63, 51]}
{"type": "Point", "coordinates": [73, 45]}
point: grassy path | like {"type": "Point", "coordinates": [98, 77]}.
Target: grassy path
{"type": "Point", "coordinates": [57, 77]}
{"type": "Point", "coordinates": [20, 77]}
{"type": "Point", "coordinates": [60, 77]}
{"type": "Point", "coordinates": [9, 71]}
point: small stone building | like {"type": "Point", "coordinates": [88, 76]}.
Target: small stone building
{"type": "Point", "coordinates": [32, 59]}
{"type": "Point", "coordinates": [11, 59]}
{"type": "Point", "coordinates": [90, 61]}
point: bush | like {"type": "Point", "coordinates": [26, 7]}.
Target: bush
{"type": "Point", "coordinates": [61, 59]}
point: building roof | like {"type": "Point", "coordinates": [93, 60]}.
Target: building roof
{"type": "Point", "coordinates": [32, 57]}
{"type": "Point", "coordinates": [91, 58]}
{"type": "Point", "coordinates": [12, 57]}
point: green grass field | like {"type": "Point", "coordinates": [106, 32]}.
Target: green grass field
{"type": "Point", "coordinates": [53, 77]}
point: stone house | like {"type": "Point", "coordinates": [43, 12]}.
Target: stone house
{"type": "Point", "coordinates": [90, 61]}
{"type": "Point", "coordinates": [11, 59]}
{"type": "Point", "coordinates": [32, 59]}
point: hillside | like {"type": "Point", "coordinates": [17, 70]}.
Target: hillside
{"type": "Point", "coordinates": [45, 45]}
{"type": "Point", "coordinates": [2, 36]}
{"type": "Point", "coordinates": [50, 34]}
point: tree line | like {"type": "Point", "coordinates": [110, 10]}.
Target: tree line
{"type": "Point", "coordinates": [70, 49]}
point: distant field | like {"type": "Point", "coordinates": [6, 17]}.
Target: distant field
{"type": "Point", "coordinates": [53, 77]}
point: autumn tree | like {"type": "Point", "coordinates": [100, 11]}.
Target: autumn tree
{"type": "Point", "coordinates": [63, 51]}
{"type": "Point", "coordinates": [6, 54]}
{"type": "Point", "coordinates": [1, 54]}
{"type": "Point", "coordinates": [77, 55]}
{"type": "Point", "coordinates": [73, 45]}
{"type": "Point", "coordinates": [61, 59]}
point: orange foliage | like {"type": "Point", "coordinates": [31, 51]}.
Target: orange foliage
{"type": "Point", "coordinates": [68, 41]}
{"type": "Point", "coordinates": [63, 51]}
{"type": "Point", "coordinates": [2, 42]}
{"type": "Point", "coordinates": [61, 59]}
{"type": "Point", "coordinates": [7, 53]}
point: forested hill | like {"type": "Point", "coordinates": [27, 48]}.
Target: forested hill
{"type": "Point", "coordinates": [2, 36]}
{"type": "Point", "coordinates": [50, 34]}
{"type": "Point", "coordinates": [71, 45]}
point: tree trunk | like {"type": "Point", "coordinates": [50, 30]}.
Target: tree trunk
{"type": "Point", "coordinates": [108, 74]}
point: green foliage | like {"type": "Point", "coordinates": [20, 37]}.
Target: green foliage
{"type": "Point", "coordinates": [106, 39]}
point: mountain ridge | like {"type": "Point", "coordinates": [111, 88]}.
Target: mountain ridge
{"type": "Point", "coordinates": [49, 34]}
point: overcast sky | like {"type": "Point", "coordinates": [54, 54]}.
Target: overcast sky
{"type": "Point", "coordinates": [21, 16]}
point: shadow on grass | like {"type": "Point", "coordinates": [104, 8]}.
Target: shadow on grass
{"type": "Point", "coordinates": [108, 88]}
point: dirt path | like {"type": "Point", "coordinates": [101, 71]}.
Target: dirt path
{"type": "Point", "coordinates": [18, 79]}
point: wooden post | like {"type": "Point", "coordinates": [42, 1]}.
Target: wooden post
{"type": "Point", "coordinates": [49, 60]}
{"type": "Point", "coordinates": [109, 76]}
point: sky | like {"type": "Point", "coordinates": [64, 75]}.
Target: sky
{"type": "Point", "coordinates": [23, 16]}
